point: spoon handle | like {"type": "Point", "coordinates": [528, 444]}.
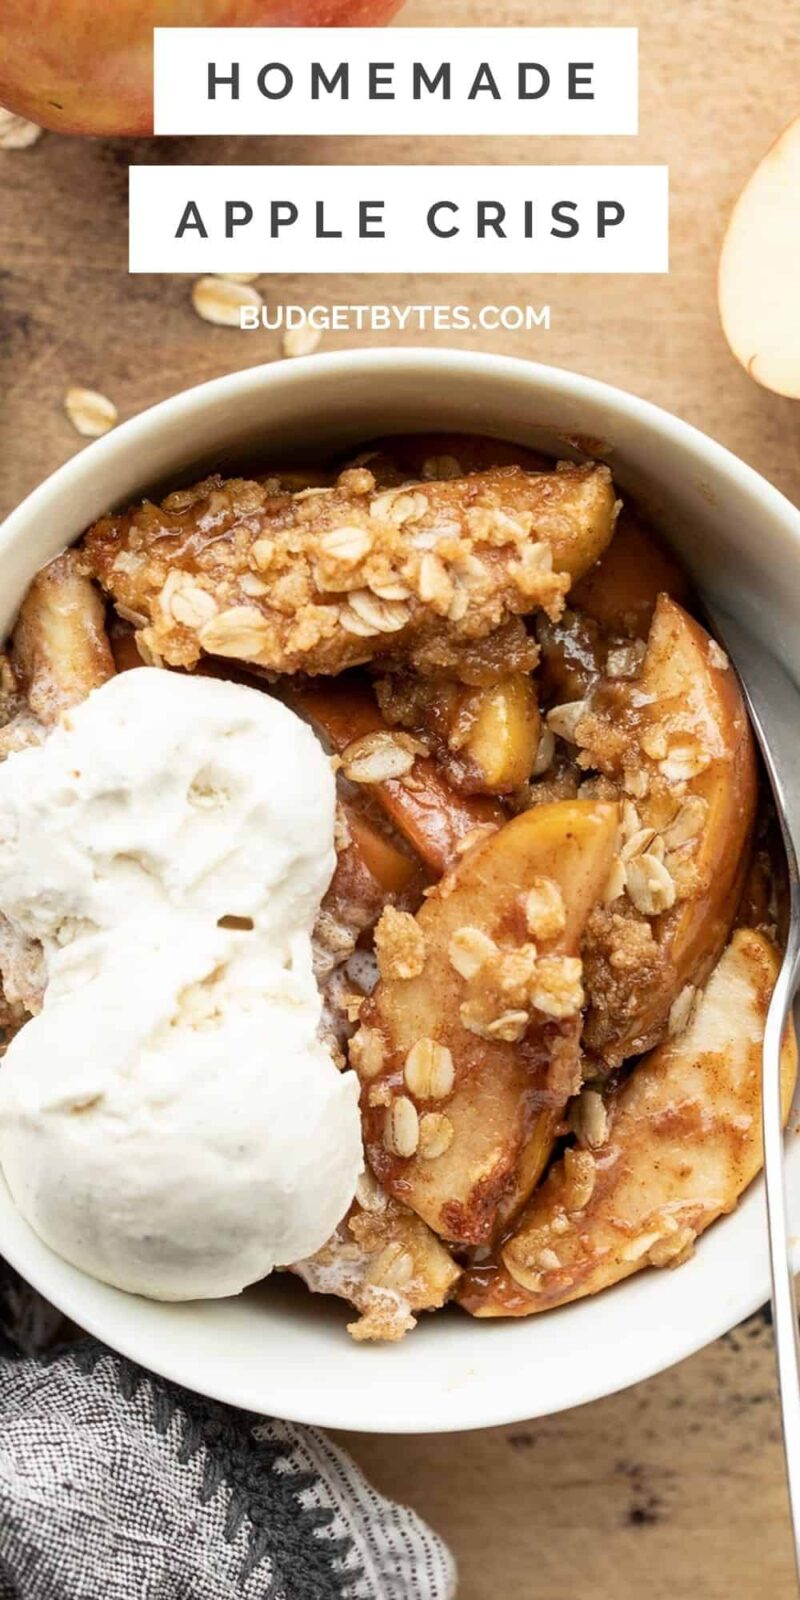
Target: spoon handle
{"type": "Point", "coordinates": [784, 1304]}
{"type": "Point", "coordinates": [773, 703]}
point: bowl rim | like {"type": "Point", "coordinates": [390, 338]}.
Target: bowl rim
{"type": "Point", "coordinates": [477, 1415]}
{"type": "Point", "coordinates": [704, 451]}
{"type": "Point", "coordinates": [573, 385]}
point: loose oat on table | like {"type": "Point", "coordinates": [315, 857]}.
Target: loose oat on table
{"type": "Point", "coordinates": [92, 414]}
{"type": "Point", "coordinates": [300, 341]}
{"type": "Point", "coordinates": [17, 133]}
{"type": "Point", "coordinates": [220, 300]}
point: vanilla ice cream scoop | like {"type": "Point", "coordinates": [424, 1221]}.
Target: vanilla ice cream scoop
{"type": "Point", "coordinates": [162, 789]}
{"type": "Point", "coordinates": [170, 1122]}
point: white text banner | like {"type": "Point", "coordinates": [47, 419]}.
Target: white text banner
{"type": "Point", "coordinates": [326, 219]}
{"type": "Point", "coordinates": [377, 81]}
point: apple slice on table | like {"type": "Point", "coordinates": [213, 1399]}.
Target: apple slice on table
{"type": "Point", "coordinates": [425, 810]}
{"type": "Point", "coordinates": [682, 1144]}
{"type": "Point", "coordinates": [758, 285]}
{"type": "Point", "coordinates": [680, 741]}
{"type": "Point", "coordinates": [469, 1046]}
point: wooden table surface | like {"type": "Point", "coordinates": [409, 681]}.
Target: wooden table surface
{"type": "Point", "coordinates": [674, 1487]}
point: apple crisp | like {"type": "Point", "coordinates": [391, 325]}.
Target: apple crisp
{"type": "Point", "coordinates": [548, 945]}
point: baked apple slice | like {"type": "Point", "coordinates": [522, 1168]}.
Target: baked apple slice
{"type": "Point", "coordinates": [484, 731]}
{"type": "Point", "coordinates": [394, 869]}
{"type": "Point", "coordinates": [371, 871]}
{"type": "Point", "coordinates": [418, 801]}
{"type": "Point", "coordinates": [678, 742]}
{"type": "Point", "coordinates": [386, 1262]}
{"type": "Point", "coordinates": [504, 735]}
{"type": "Point", "coordinates": [60, 649]}
{"type": "Point", "coordinates": [621, 591]}
{"type": "Point", "coordinates": [330, 578]}
{"type": "Point", "coordinates": [471, 1037]}
{"type": "Point", "coordinates": [683, 1142]}
{"type": "Point", "coordinates": [438, 456]}
{"type": "Point", "coordinates": [605, 625]}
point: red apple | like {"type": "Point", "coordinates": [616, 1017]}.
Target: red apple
{"type": "Point", "coordinates": [86, 66]}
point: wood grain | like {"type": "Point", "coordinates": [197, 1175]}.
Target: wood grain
{"type": "Point", "coordinates": [672, 1490]}
{"type": "Point", "coordinates": [675, 1487]}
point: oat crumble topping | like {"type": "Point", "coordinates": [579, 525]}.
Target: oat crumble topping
{"type": "Point", "coordinates": [348, 567]}
{"type": "Point", "coordinates": [445, 584]}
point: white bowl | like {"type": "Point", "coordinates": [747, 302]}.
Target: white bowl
{"type": "Point", "coordinates": [277, 1349]}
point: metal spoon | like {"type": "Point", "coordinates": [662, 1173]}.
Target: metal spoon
{"type": "Point", "coordinates": [773, 702]}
